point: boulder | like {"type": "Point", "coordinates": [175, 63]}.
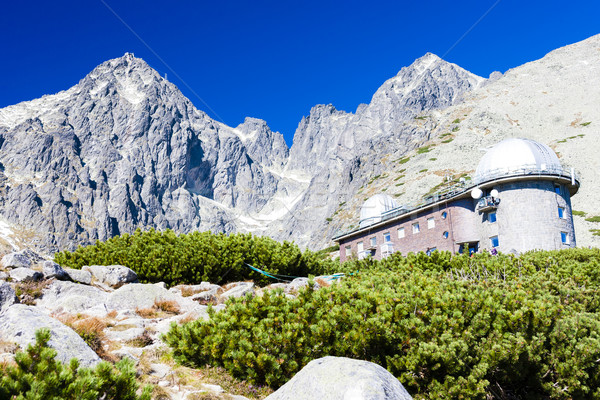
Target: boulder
{"type": "Point", "coordinates": [299, 283]}
{"type": "Point", "coordinates": [340, 378]}
{"type": "Point", "coordinates": [79, 276]}
{"type": "Point", "coordinates": [15, 260]}
{"type": "Point", "coordinates": [23, 274]}
{"type": "Point", "coordinates": [3, 275]}
{"type": "Point", "coordinates": [237, 289]}
{"type": "Point", "coordinates": [71, 297]}
{"type": "Point", "coordinates": [114, 276]}
{"type": "Point", "coordinates": [7, 296]}
{"type": "Point", "coordinates": [139, 296]}
{"type": "Point", "coordinates": [53, 270]}
{"type": "Point", "coordinates": [20, 322]}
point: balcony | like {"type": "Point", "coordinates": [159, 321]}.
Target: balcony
{"type": "Point", "coordinates": [365, 254]}
{"type": "Point", "coordinates": [387, 249]}
{"type": "Point", "coordinates": [488, 203]}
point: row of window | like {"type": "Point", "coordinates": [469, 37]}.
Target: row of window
{"type": "Point", "coordinates": [494, 242]}
{"type": "Point", "coordinates": [387, 236]}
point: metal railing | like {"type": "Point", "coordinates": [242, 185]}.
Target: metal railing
{"type": "Point", "coordinates": [530, 169]}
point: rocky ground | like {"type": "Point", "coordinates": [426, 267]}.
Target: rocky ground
{"type": "Point", "coordinates": [119, 317]}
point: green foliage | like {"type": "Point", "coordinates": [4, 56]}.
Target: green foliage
{"type": "Point", "coordinates": [455, 129]}
{"type": "Point", "coordinates": [456, 121]}
{"type": "Point", "coordinates": [37, 375]}
{"type": "Point", "coordinates": [585, 123]}
{"type": "Point", "coordinates": [423, 170]}
{"type": "Point", "coordinates": [595, 218]}
{"type": "Point", "coordinates": [424, 149]}
{"type": "Point", "coordinates": [198, 256]}
{"type": "Point", "coordinates": [579, 213]}
{"type": "Point", "coordinates": [447, 140]}
{"type": "Point", "coordinates": [446, 326]}
{"type": "Point", "coordinates": [422, 117]}
{"type": "Point", "coordinates": [404, 160]}
{"type": "Point", "coordinates": [433, 159]}
{"type": "Point", "coordinates": [595, 232]}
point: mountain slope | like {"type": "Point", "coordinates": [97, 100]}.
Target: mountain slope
{"type": "Point", "coordinates": [124, 149]}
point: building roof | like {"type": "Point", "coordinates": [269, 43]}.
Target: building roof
{"type": "Point", "coordinates": [514, 156]}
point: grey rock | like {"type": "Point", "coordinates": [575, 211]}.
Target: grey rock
{"type": "Point", "coordinates": [23, 274]}
{"type": "Point", "coordinates": [298, 284]}
{"type": "Point", "coordinates": [3, 275]}
{"type": "Point", "coordinates": [125, 335]}
{"type": "Point", "coordinates": [79, 276]}
{"type": "Point", "coordinates": [16, 260]}
{"type": "Point", "coordinates": [53, 270]}
{"type": "Point", "coordinates": [341, 378]}
{"type": "Point", "coordinates": [72, 298]}
{"type": "Point", "coordinates": [20, 322]}
{"type": "Point", "coordinates": [237, 289]}
{"type": "Point", "coordinates": [112, 275]}
{"type": "Point", "coordinates": [7, 296]}
{"type": "Point", "coordinates": [138, 295]}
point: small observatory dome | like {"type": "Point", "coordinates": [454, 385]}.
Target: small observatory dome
{"type": "Point", "coordinates": [513, 156]}
{"type": "Point", "coordinates": [374, 207]}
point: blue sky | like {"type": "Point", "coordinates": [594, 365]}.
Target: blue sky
{"type": "Point", "coordinates": [276, 59]}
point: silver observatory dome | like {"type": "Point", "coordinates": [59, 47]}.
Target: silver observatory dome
{"type": "Point", "coordinates": [375, 207]}
{"type": "Point", "coordinates": [517, 156]}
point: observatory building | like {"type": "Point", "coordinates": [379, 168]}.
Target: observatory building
{"type": "Point", "coordinates": [520, 200]}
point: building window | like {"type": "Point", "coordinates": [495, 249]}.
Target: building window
{"type": "Point", "coordinates": [557, 189]}
{"type": "Point", "coordinates": [444, 215]}
{"type": "Point", "coordinates": [492, 217]}
{"type": "Point", "coordinates": [387, 237]}
{"type": "Point", "coordinates": [373, 241]}
{"type": "Point", "coordinates": [348, 251]}
{"type": "Point", "coordinates": [400, 233]}
{"type": "Point", "coordinates": [415, 228]}
{"type": "Point", "coordinates": [564, 237]}
{"type": "Point", "coordinates": [494, 241]}
{"type": "Point", "coordinates": [360, 247]}
{"type": "Point", "coordinates": [561, 212]}
{"type": "Point", "coordinates": [445, 235]}
{"type": "Point", "coordinates": [430, 223]}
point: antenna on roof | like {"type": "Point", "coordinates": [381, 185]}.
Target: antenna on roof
{"type": "Point", "coordinates": [166, 77]}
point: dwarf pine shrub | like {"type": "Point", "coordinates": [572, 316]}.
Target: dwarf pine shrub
{"type": "Point", "coordinates": [199, 256]}
{"type": "Point", "coordinates": [446, 326]}
{"type": "Point", "coordinates": [37, 375]}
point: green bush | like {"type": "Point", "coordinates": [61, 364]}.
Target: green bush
{"type": "Point", "coordinates": [198, 256]}
{"type": "Point", "coordinates": [446, 326]}
{"type": "Point", "coordinates": [37, 375]}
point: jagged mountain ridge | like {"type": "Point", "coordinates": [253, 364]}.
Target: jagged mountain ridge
{"type": "Point", "coordinates": [124, 149]}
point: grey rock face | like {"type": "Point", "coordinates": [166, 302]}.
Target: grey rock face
{"type": "Point", "coordinates": [7, 296]}
{"type": "Point", "coordinates": [53, 270]}
{"type": "Point", "coordinates": [23, 274]}
{"type": "Point", "coordinates": [20, 322]}
{"type": "Point", "coordinates": [112, 275]}
{"type": "Point", "coordinates": [124, 149]}
{"type": "Point", "coordinates": [341, 378]}
{"type": "Point", "coordinates": [16, 260]}
{"type": "Point", "coordinates": [78, 275]}
{"type": "Point", "coordinates": [72, 298]}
